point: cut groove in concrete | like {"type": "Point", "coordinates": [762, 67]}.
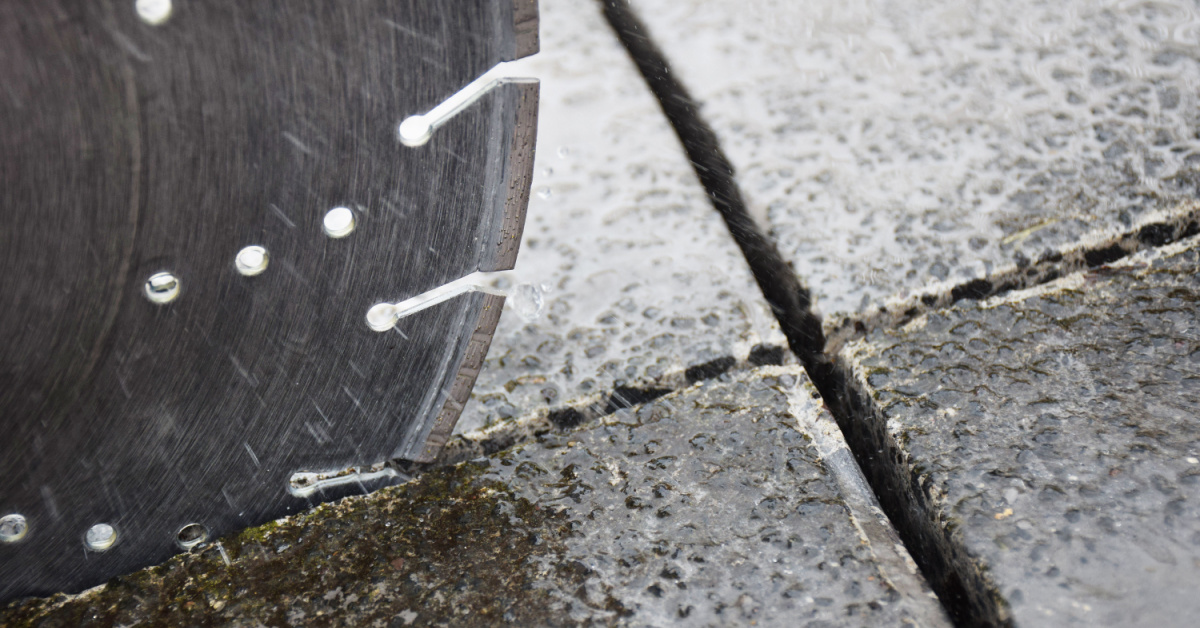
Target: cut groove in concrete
{"type": "Point", "coordinates": [789, 299]}
{"type": "Point", "coordinates": [958, 581]}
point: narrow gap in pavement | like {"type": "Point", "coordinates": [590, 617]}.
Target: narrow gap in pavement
{"type": "Point", "coordinates": [1158, 231]}
{"type": "Point", "coordinates": [957, 579]}
{"type": "Point", "coordinates": [539, 424]}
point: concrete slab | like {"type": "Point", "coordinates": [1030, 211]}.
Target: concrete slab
{"type": "Point", "coordinates": [626, 276]}
{"type": "Point", "coordinates": [891, 147]}
{"type": "Point", "coordinates": [730, 502]}
{"type": "Point", "coordinates": [1055, 432]}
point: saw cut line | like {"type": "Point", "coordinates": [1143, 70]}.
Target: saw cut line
{"type": "Point", "coordinates": [959, 584]}
{"type": "Point", "coordinates": [417, 130]}
{"type": "Point", "coordinates": [384, 316]}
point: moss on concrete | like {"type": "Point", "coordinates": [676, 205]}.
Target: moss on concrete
{"type": "Point", "coordinates": [436, 550]}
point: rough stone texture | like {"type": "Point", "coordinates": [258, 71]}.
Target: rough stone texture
{"type": "Point", "coordinates": [711, 506]}
{"type": "Point", "coordinates": [1057, 429]}
{"type": "Point", "coordinates": [626, 274]}
{"type": "Point", "coordinates": [890, 146]}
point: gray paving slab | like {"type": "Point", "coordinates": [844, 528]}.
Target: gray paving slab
{"type": "Point", "coordinates": [892, 147]}
{"type": "Point", "coordinates": [625, 275]}
{"type": "Point", "coordinates": [732, 502]}
{"type": "Point", "coordinates": [1055, 430]}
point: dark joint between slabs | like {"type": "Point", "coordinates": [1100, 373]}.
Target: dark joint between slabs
{"type": "Point", "coordinates": [553, 422]}
{"type": "Point", "coordinates": [969, 598]}
{"type": "Point", "coordinates": [1156, 232]}
{"type": "Point", "coordinates": [789, 300]}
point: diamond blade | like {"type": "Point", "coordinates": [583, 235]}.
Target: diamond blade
{"type": "Point", "coordinates": [199, 207]}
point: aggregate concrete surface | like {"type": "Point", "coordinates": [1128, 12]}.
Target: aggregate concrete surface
{"type": "Point", "coordinates": [889, 147]}
{"type": "Point", "coordinates": [625, 275]}
{"type": "Point", "coordinates": [1057, 428]}
{"type": "Point", "coordinates": [710, 506]}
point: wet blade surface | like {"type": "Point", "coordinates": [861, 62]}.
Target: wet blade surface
{"type": "Point", "coordinates": [134, 149]}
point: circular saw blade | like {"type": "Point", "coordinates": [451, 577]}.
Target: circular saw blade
{"type": "Point", "coordinates": [184, 330]}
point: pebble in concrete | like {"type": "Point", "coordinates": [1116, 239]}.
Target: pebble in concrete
{"type": "Point", "coordinates": [720, 504]}
{"type": "Point", "coordinates": [1056, 429]}
{"type": "Point", "coordinates": [891, 147]}
{"type": "Point", "coordinates": [626, 275]}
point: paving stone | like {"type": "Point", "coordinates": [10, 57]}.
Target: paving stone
{"type": "Point", "coordinates": [625, 274]}
{"type": "Point", "coordinates": [729, 502]}
{"type": "Point", "coordinates": [891, 147]}
{"type": "Point", "coordinates": [1056, 430]}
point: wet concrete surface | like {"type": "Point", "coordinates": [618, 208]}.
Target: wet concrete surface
{"type": "Point", "coordinates": [889, 150]}
{"type": "Point", "coordinates": [891, 147]}
{"type": "Point", "coordinates": [1055, 429]}
{"type": "Point", "coordinates": [724, 503]}
{"type": "Point", "coordinates": [626, 277]}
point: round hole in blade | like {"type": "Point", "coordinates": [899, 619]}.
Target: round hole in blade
{"type": "Point", "coordinates": [381, 316]}
{"type": "Point", "coordinates": [251, 260]}
{"type": "Point", "coordinates": [339, 222]}
{"type": "Point", "coordinates": [191, 535]}
{"type": "Point", "coordinates": [153, 12]}
{"type": "Point", "coordinates": [415, 131]}
{"type": "Point", "coordinates": [13, 528]}
{"type": "Point", "coordinates": [100, 537]}
{"type": "Point", "coordinates": [162, 287]}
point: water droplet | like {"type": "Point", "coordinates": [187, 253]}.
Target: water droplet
{"type": "Point", "coordinates": [527, 300]}
{"type": "Point", "coordinates": [544, 192]}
